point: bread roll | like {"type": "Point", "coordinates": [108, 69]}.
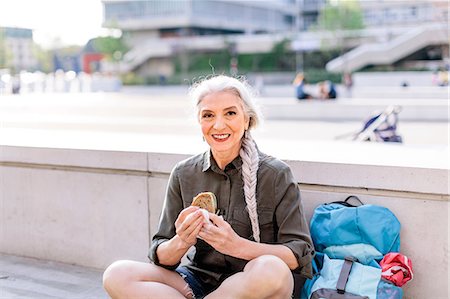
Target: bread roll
{"type": "Point", "coordinates": [206, 200]}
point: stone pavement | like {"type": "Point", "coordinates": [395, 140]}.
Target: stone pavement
{"type": "Point", "coordinates": [27, 278]}
{"type": "Point", "coordinates": [142, 113]}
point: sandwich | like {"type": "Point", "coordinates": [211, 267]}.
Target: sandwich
{"type": "Point", "coordinates": [206, 200]}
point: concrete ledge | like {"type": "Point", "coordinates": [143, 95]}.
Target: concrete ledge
{"type": "Point", "coordinates": [355, 109]}
{"type": "Point", "coordinates": [76, 158]}
{"type": "Point", "coordinates": [92, 206]}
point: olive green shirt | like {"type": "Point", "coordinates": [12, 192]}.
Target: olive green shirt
{"type": "Point", "coordinates": [279, 207]}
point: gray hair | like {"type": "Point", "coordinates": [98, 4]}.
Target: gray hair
{"type": "Point", "coordinates": [249, 153]}
{"type": "Point", "coordinates": [240, 87]}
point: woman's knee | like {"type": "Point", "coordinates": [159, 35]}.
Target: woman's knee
{"type": "Point", "coordinates": [269, 264]}
{"type": "Point", "coordinates": [269, 268]}
{"type": "Point", "coordinates": [117, 273]}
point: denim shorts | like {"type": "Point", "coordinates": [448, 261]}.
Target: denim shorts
{"type": "Point", "coordinates": [194, 283]}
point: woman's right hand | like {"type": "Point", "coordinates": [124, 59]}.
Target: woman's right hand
{"type": "Point", "coordinates": [188, 225]}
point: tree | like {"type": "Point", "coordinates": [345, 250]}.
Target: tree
{"type": "Point", "coordinates": [112, 47]}
{"type": "Point", "coordinates": [341, 15]}
{"type": "Point", "coordinates": [5, 53]}
{"type": "Point", "coordinates": [338, 16]}
{"type": "Point", "coordinates": [44, 58]}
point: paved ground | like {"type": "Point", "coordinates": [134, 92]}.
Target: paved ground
{"type": "Point", "coordinates": [26, 278]}
{"type": "Point", "coordinates": [150, 113]}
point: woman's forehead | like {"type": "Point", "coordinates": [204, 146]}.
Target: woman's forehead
{"type": "Point", "coordinates": [221, 100]}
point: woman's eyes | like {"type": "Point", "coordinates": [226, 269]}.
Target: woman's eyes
{"type": "Point", "coordinates": [210, 115]}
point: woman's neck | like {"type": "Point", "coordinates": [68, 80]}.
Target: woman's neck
{"type": "Point", "coordinates": [223, 159]}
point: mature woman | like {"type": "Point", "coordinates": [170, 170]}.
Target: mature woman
{"type": "Point", "coordinates": [260, 236]}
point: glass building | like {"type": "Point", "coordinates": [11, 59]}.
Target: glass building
{"type": "Point", "coordinates": [18, 43]}
{"type": "Point", "coordinates": [161, 18]}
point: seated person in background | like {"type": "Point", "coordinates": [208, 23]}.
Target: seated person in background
{"type": "Point", "coordinates": [299, 83]}
{"type": "Point", "coordinates": [260, 236]}
{"type": "Point", "coordinates": [327, 90]}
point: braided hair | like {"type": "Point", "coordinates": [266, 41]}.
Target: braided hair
{"type": "Point", "coordinates": [248, 152]}
{"type": "Point", "coordinates": [250, 163]}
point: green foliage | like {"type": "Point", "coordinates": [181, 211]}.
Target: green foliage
{"type": "Point", "coordinates": [132, 79]}
{"type": "Point", "coordinates": [112, 47]}
{"type": "Point", "coordinates": [5, 54]}
{"type": "Point", "coordinates": [44, 59]}
{"type": "Point", "coordinates": [218, 62]}
{"type": "Point", "coordinates": [393, 68]}
{"type": "Point", "coordinates": [279, 59]}
{"type": "Point", "coordinates": [341, 15]}
{"type": "Point", "coordinates": [318, 59]}
{"type": "Point", "coordinates": [314, 76]}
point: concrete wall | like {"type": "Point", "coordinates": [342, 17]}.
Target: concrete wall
{"type": "Point", "coordinates": [91, 207]}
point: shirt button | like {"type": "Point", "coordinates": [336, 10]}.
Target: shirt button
{"type": "Point", "coordinates": [225, 178]}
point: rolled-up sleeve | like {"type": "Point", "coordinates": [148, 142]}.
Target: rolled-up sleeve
{"type": "Point", "coordinates": [293, 229]}
{"type": "Point", "coordinates": [173, 204]}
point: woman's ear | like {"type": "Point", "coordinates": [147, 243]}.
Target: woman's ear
{"type": "Point", "coordinates": [247, 122]}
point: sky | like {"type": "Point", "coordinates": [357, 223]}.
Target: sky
{"type": "Point", "coordinates": [73, 22]}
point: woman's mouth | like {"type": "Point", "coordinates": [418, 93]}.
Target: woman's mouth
{"type": "Point", "coordinates": [220, 137]}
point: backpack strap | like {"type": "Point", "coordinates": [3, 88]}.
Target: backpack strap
{"type": "Point", "coordinates": [360, 203]}
{"type": "Point", "coordinates": [345, 273]}
{"type": "Point", "coordinates": [346, 202]}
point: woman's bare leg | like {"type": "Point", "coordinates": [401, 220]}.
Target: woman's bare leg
{"type": "Point", "coordinates": [130, 279]}
{"type": "Point", "coordinates": [266, 277]}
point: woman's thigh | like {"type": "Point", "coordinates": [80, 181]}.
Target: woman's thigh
{"type": "Point", "coordinates": [125, 273]}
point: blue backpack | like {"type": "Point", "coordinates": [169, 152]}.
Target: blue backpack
{"type": "Point", "coordinates": [350, 240]}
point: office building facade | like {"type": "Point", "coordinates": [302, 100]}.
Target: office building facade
{"type": "Point", "coordinates": [140, 20]}
{"type": "Point", "coordinates": [18, 49]}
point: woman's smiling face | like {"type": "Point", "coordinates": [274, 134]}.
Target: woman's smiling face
{"type": "Point", "coordinates": [223, 122]}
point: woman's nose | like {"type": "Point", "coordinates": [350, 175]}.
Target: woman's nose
{"type": "Point", "coordinates": [219, 123]}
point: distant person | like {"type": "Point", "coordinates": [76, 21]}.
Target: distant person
{"type": "Point", "coordinates": [435, 78]}
{"type": "Point", "coordinates": [162, 79]}
{"type": "Point", "coordinates": [259, 84]}
{"type": "Point", "coordinates": [443, 77]}
{"type": "Point", "coordinates": [16, 84]}
{"type": "Point", "coordinates": [299, 83]}
{"type": "Point", "coordinates": [347, 81]}
{"type": "Point", "coordinates": [327, 90]}
{"type": "Point", "coordinates": [258, 235]}
{"type": "Point", "coordinates": [332, 93]}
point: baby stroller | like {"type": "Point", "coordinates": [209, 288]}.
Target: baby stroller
{"type": "Point", "coordinates": [381, 127]}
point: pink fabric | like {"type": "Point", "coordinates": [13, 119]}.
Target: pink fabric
{"type": "Point", "coordinates": [396, 268]}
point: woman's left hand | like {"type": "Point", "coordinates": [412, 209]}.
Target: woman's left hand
{"type": "Point", "coordinates": [220, 235]}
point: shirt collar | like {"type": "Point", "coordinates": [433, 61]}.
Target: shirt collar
{"type": "Point", "coordinates": [208, 161]}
